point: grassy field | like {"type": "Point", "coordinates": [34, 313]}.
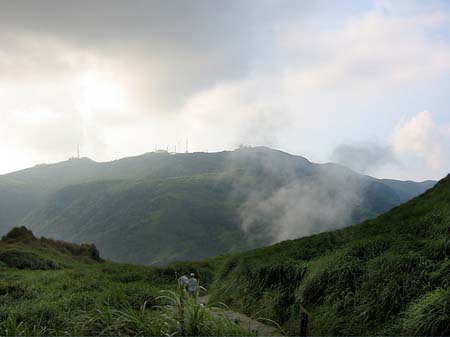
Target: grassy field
{"type": "Point", "coordinates": [55, 288]}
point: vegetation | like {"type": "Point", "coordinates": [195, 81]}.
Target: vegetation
{"type": "Point", "coordinates": [57, 288]}
{"type": "Point", "coordinates": [159, 208]}
{"type": "Point", "coordinates": [387, 276]}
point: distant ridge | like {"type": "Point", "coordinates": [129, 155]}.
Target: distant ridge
{"type": "Point", "coordinates": [159, 207]}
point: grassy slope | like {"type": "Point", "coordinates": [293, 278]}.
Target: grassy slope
{"type": "Point", "coordinates": [148, 222]}
{"type": "Point", "coordinates": [158, 208]}
{"type": "Point", "coordinates": [385, 276]}
{"type": "Point", "coordinates": [57, 288]}
{"type": "Point", "coordinates": [156, 221]}
{"type": "Point", "coordinates": [40, 182]}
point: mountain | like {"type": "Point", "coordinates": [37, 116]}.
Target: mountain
{"type": "Point", "coordinates": [385, 277]}
{"type": "Point", "coordinates": [160, 207]}
{"type": "Point", "coordinates": [16, 200]}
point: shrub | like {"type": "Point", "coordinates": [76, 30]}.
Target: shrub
{"type": "Point", "coordinates": [367, 250]}
{"type": "Point", "coordinates": [15, 291]}
{"type": "Point", "coordinates": [331, 277]}
{"type": "Point", "coordinates": [26, 260]}
{"type": "Point", "coordinates": [430, 316]}
{"type": "Point", "coordinates": [84, 249]}
{"type": "Point", "coordinates": [19, 234]}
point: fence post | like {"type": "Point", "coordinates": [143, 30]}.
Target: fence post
{"type": "Point", "coordinates": [304, 322]}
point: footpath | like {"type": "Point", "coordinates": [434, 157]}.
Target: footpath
{"type": "Point", "coordinates": [249, 323]}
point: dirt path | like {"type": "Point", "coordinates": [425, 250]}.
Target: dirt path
{"type": "Point", "coordinates": [261, 329]}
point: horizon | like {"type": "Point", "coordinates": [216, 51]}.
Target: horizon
{"type": "Point", "coordinates": [364, 84]}
{"type": "Point", "coordinates": [163, 151]}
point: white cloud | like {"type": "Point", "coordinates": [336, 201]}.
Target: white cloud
{"type": "Point", "coordinates": [120, 89]}
{"type": "Point", "coordinates": [422, 137]}
{"type": "Point", "coordinates": [368, 52]}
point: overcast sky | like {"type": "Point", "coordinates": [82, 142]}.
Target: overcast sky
{"type": "Point", "coordinates": [363, 83]}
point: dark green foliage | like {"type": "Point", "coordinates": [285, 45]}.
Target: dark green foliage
{"type": "Point", "coordinates": [84, 249]}
{"type": "Point", "coordinates": [90, 298]}
{"type": "Point", "coordinates": [26, 260]}
{"type": "Point", "coordinates": [21, 234]}
{"type": "Point", "coordinates": [159, 208]}
{"type": "Point", "coordinates": [387, 276]}
{"type": "Point", "coordinates": [430, 316]}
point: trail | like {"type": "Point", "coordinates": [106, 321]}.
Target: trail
{"type": "Point", "coordinates": [253, 325]}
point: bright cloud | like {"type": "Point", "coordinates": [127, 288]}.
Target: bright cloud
{"type": "Point", "coordinates": [423, 138]}
{"type": "Point", "coordinates": [283, 74]}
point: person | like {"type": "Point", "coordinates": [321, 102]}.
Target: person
{"type": "Point", "coordinates": [183, 282]}
{"type": "Point", "coordinates": [192, 284]}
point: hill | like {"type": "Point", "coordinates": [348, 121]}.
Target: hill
{"type": "Point", "coordinates": [158, 207]}
{"type": "Point", "coordinates": [387, 276]}
{"type": "Point", "coordinates": [55, 288]}
{"type": "Point", "coordinates": [149, 222]}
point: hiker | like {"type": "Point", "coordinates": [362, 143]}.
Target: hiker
{"type": "Point", "coordinates": [183, 282]}
{"type": "Point", "coordinates": [192, 284]}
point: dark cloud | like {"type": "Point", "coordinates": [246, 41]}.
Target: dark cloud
{"type": "Point", "coordinates": [176, 47]}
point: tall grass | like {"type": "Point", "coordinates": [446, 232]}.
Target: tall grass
{"type": "Point", "coordinates": [183, 315]}
{"type": "Point", "coordinates": [386, 276]}
{"type": "Point", "coordinates": [430, 316]}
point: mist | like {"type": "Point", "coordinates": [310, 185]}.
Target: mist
{"type": "Point", "coordinates": [284, 197]}
{"type": "Point", "coordinates": [363, 158]}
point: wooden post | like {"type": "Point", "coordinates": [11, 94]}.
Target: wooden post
{"type": "Point", "coordinates": [304, 322]}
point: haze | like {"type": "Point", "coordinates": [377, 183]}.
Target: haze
{"type": "Point", "coordinates": [363, 83]}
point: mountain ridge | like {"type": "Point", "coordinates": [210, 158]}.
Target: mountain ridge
{"type": "Point", "coordinates": [245, 197]}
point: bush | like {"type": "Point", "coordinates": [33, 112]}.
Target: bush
{"type": "Point", "coordinates": [26, 260]}
{"type": "Point", "coordinates": [15, 291]}
{"type": "Point", "coordinates": [84, 249]}
{"type": "Point", "coordinates": [19, 234]}
{"type": "Point", "coordinates": [331, 278]}
{"type": "Point", "coordinates": [430, 316]}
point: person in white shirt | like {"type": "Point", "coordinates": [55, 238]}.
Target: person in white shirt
{"type": "Point", "coordinates": [192, 284]}
{"type": "Point", "coordinates": [183, 282]}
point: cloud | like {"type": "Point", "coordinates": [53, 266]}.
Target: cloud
{"type": "Point", "coordinates": [371, 51]}
{"type": "Point", "coordinates": [423, 138]}
{"type": "Point", "coordinates": [281, 201]}
{"type": "Point", "coordinates": [122, 77]}
{"type": "Point", "coordinates": [364, 158]}
{"type": "Point", "coordinates": [167, 50]}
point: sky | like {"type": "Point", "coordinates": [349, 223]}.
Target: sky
{"type": "Point", "coordinates": [362, 83]}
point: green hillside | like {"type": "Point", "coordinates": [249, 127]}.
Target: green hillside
{"type": "Point", "coordinates": [387, 276]}
{"type": "Point", "coordinates": [156, 221]}
{"type": "Point", "coordinates": [57, 288]}
{"type": "Point", "coordinates": [160, 207]}
{"type": "Point", "coordinates": [148, 222]}
{"type": "Point", "coordinates": [16, 200]}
